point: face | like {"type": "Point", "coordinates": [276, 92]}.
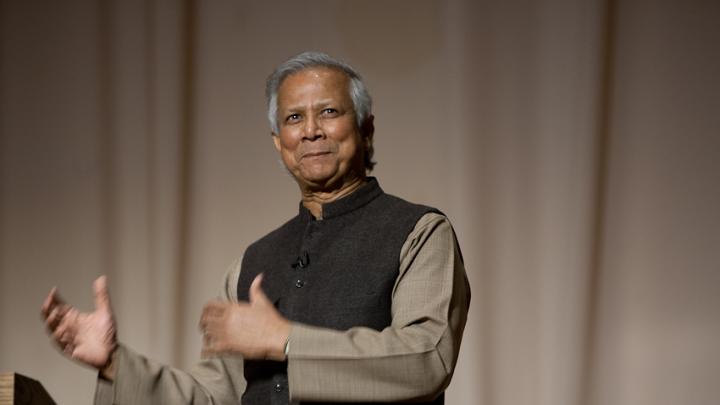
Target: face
{"type": "Point", "coordinates": [319, 140]}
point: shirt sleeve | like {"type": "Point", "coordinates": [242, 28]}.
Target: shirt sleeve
{"type": "Point", "coordinates": [139, 380]}
{"type": "Point", "coordinates": [413, 358]}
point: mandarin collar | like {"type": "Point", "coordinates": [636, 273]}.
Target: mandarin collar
{"type": "Point", "coordinates": [358, 198]}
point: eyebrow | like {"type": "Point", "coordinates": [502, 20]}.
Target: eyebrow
{"type": "Point", "coordinates": [317, 105]}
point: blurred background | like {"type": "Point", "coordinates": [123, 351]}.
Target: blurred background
{"type": "Point", "coordinates": [575, 145]}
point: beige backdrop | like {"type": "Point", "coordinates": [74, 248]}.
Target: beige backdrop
{"type": "Point", "coordinates": [574, 144]}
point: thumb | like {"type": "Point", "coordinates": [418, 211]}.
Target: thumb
{"type": "Point", "coordinates": [257, 296]}
{"type": "Point", "coordinates": [100, 291]}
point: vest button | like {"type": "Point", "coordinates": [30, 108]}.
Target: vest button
{"type": "Point", "coordinates": [278, 387]}
{"type": "Point", "coordinates": [299, 283]}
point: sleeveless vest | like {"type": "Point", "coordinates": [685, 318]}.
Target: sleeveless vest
{"type": "Point", "coordinates": [338, 272]}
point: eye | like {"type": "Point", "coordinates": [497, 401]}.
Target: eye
{"type": "Point", "coordinates": [292, 118]}
{"type": "Point", "coordinates": [330, 111]}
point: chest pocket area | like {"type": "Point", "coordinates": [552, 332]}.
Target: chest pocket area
{"type": "Point", "coordinates": [357, 301]}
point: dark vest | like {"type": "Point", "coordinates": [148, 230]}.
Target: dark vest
{"type": "Point", "coordinates": [336, 273]}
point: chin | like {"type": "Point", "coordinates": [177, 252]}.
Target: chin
{"type": "Point", "coordinates": [319, 175]}
{"type": "Point", "coordinates": [321, 182]}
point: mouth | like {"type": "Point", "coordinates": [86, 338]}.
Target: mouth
{"type": "Point", "coordinates": [314, 154]}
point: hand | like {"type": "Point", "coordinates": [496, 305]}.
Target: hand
{"type": "Point", "coordinates": [88, 338]}
{"type": "Point", "coordinates": [256, 330]}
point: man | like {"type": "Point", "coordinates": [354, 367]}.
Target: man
{"type": "Point", "coordinates": [360, 297]}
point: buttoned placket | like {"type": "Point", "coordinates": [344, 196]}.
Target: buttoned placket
{"type": "Point", "coordinates": [279, 394]}
{"type": "Point", "coordinates": [304, 260]}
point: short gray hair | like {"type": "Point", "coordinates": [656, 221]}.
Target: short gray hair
{"type": "Point", "coordinates": [362, 102]}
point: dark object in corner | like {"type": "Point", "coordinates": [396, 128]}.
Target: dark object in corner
{"type": "Point", "coordinates": [16, 389]}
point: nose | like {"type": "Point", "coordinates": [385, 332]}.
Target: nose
{"type": "Point", "coordinates": [313, 130]}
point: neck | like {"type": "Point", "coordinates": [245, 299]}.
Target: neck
{"type": "Point", "coordinates": [313, 200]}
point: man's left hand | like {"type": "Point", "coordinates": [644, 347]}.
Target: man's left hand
{"type": "Point", "coordinates": [255, 330]}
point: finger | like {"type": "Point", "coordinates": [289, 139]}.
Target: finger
{"type": "Point", "coordinates": [214, 306]}
{"type": "Point", "coordinates": [212, 310]}
{"type": "Point", "coordinates": [203, 324]}
{"type": "Point", "coordinates": [56, 316]}
{"type": "Point", "coordinates": [68, 349]}
{"type": "Point", "coordinates": [63, 337]}
{"type": "Point", "coordinates": [52, 318]}
{"type": "Point", "coordinates": [101, 295]}
{"type": "Point", "coordinates": [257, 296]}
{"type": "Point", "coordinates": [213, 346]}
{"type": "Point", "coordinates": [207, 340]}
{"type": "Point", "coordinates": [63, 331]}
{"type": "Point", "coordinates": [207, 348]}
{"type": "Point", "coordinates": [52, 300]}
{"type": "Point", "coordinates": [58, 334]}
{"type": "Point", "coordinates": [69, 322]}
{"type": "Point", "coordinates": [45, 309]}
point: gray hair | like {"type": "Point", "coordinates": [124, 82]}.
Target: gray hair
{"type": "Point", "coordinates": [362, 103]}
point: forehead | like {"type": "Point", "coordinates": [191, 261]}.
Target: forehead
{"type": "Point", "coordinates": [314, 82]}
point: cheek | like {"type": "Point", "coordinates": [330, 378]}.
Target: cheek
{"type": "Point", "coordinates": [288, 144]}
{"type": "Point", "coordinates": [286, 149]}
{"type": "Point", "coordinates": [348, 149]}
{"type": "Point", "coordinates": [351, 145]}
{"type": "Point", "coordinates": [346, 136]}
{"type": "Point", "coordinates": [288, 158]}
{"type": "Point", "coordinates": [288, 141]}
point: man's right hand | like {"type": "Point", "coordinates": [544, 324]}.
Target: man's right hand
{"type": "Point", "coordinates": [89, 338]}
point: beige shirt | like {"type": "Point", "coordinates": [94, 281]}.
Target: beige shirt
{"type": "Point", "coordinates": [412, 359]}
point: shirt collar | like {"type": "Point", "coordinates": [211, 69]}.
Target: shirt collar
{"type": "Point", "coordinates": [358, 198]}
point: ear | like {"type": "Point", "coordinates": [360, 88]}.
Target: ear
{"type": "Point", "coordinates": [276, 140]}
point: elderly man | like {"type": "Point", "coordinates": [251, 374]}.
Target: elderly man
{"type": "Point", "coordinates": [361, 297]}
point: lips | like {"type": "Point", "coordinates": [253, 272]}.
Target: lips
{"type": "Point", "coordinates": [314, 154]}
